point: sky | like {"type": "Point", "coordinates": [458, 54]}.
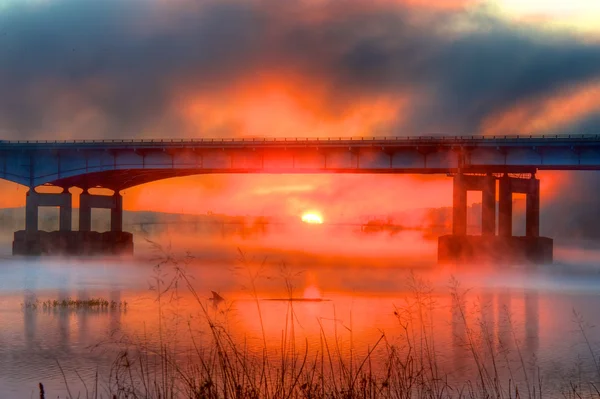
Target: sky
{"type": "Point", "coordinates": [79, 69]}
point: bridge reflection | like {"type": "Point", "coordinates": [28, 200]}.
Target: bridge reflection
{"type": "Point", "coordinates": [500, 327]}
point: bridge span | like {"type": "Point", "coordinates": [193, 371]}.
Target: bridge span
{"type": "Point", "coordinates": [475, 162]}
{"type": "Point", "coordinates": [120, 164]}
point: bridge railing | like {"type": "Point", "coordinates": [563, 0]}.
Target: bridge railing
{"type": "Point", "coordinates": [313, 139]}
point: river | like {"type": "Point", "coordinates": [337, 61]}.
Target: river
{"type": "Point", "coordinates": [530, 321]}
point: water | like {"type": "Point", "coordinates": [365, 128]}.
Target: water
{"type": "Point", "coordinates": [525, 313]}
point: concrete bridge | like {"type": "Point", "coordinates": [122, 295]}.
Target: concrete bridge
{"type": "Point", "coordinates": [475, 162]}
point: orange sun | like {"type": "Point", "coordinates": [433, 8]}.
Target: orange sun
{"type": "Point", "coordinates": [312, 218]}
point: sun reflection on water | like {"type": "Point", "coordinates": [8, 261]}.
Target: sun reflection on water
{"type": "Point", "coordinates": [312, 292]}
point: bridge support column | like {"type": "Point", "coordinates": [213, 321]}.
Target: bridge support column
{"type": "Point", "coordinates": [488, 206]}
{"type": "Point", "coordinates": [88, 201]}
{"type": "Point", "coordinates": [85, 211]}
{"type": "Point", "coordinates": [31, 211]}
{"type": "Point", "coordinates": [116, 213]}
{"type": "Point", "coordinates": [459, 206]}
{"type": "Point", "coordinates": [505, 207]}
{"type": "Point", "coordinates": [532, 215]}
{"type": "Point", "coordinates": [66, 215]}
{"type": "Point", "coordinates": [34, 200]}
{"type": "Point", "coordinates": [485, 184]}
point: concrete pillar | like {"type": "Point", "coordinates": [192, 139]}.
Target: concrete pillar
{"type": "Point", "coordinates": [459, 206]}
{"type": "Point", "coordinates": [532, 215]}
{"type": "Point", "coordinates": [89, 201]}
{"type": "Point", "coordinates": [85, 212]}
{"type": "Point", "coordinates": [505, 208]}
{"type": "Point", "coordinates": [116, 213]}
{"type": "Point", "coordinates": [35, 200]}
{"type": "Point", "coordinates": [488, 206]}
{"type": "Point", "coordinates": [66, 216]}
{"type": "Point", "coordinates": [31, 210]}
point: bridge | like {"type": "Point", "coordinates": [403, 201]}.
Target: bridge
{"type": "Point", "coordinates": [475, 162]}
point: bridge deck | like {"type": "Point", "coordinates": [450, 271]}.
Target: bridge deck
{"type": "Point", "coordinates": [469, 141]}
{"type": "Point", "coordinates": [120, 164]}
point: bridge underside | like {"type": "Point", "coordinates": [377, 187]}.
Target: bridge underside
{"type": "Point", "coordinates": [122, 179]}
{"type": "Point", "coordinates": [127, 178]}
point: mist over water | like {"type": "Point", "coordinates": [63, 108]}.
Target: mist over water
{"type": "Point", "coordinates": [368, 283]}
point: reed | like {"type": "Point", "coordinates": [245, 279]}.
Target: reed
{"type": "Point", "coordinates": [221, 367]}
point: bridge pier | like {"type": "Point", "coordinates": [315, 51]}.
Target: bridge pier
{"type": "Point", "coordinates": [532, 215]}
{"type": "Point", "coordinates": [113, 202]}
{"type": "Point", "coordinates": [485, 184]}
{"type": "Point", "coordinates": [459, 208]}
{"type": "Point", "coordinates": [505, 207]}
{"type": "Point", "coordinates": [116, 213]}
{"type": "Point", "coordinates": [488, 206]}
{"type": "Point", "coordinates": [35, 200]}
{"type": "Point", "coordinates": [502, 247]}
{"type": "Point", "coordinates": [32, 241]}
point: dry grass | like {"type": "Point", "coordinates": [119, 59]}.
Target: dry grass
{"type": "Point", "coordinates": [221, 367]}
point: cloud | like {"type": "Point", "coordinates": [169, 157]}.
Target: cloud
{"type": "Point", "coordinates": [561, 114]}
{"type": "Point", "coordinates": [573, 211]}
{"type": "Point", "coordinates": [115, 69]}
{"type": "Point", "coordinates": [589, 125]}
{"type": "Point", "coordinates": [121, 69]}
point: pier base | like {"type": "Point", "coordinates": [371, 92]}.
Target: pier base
{"type": "Point", "coordinates": [463, 248]}
{"type": "Point", "coordinates": [72, 243]}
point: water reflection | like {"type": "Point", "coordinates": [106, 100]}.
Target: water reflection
{"type": "Point", "coordinates": [503, 320]}
{"type": "Point", "coordinates": [82, 319]}
{"type": "Point", "coordinates": [532, 322]}
{"type": "Point", "coordinates": [497, 329]}
{"type": "Point", "coordinates": [115, 317]}
{"type": "Point", "coordinates": [459, 334]}
{"type": "Point", "coordinates": [30, 296]}
{"type": "Point", "coordinates": [29, 318]}
{"type": "Point", "coordinates": [487, 313]}
{"type": "Point", "coordinates": [497, 316]}
{"type": "Point", "coordinates": [63, 315]}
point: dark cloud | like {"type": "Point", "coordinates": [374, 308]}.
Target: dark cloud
{"type": "Point", "coordinates": [588, 125]}
{"type": "Point", "coordinates": [112, 57]}
{"type": "Point", "coordinates": [111, 68]}
{"type": "Point", "coordinates": [574, 212]}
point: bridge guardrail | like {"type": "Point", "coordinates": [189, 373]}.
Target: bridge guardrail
{"type": "Point", "coordinates": [248, 140]}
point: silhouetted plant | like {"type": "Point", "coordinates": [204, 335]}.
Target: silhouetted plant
{"type": "Point", "coordinates": [219, 367]}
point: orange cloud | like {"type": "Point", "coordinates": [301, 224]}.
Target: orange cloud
{"type": "Point", "coordinates": [534, 116]}
{"type": "Point", "coordinates": [285, 105]}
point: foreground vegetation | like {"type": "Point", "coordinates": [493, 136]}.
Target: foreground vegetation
{"type": "Point", "coordinates": [219, 366]}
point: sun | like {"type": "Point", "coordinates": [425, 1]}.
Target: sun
{"type": "Point", "coordinates": [312, 218]}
